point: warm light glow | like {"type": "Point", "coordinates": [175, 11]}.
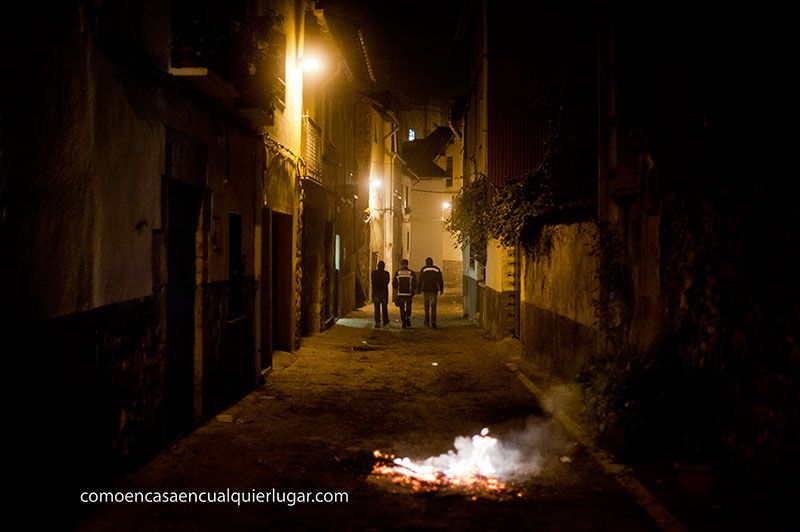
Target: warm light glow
{"type": "Point", "coordinates": [471, 468]}
{"type": "Point", "coordinates": [310, 64]}
{"type": "Point", "coordinates": [375, 197]}
{"type": "Point", "coordinates": [445, 205]}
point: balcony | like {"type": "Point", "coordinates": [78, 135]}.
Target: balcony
{"type": "Point", "coordinates": [233, 59]}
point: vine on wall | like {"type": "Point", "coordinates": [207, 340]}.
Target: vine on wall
{"type": "Point", "coordinates": [468, 220]}
{"type": "Point", "coordinates": [515, 212]}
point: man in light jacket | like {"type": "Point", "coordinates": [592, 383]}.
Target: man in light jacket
{"type": "Point", "coordinates": [405, 286]}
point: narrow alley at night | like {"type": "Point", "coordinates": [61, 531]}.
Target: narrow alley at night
{"type": "Point", "coordinates": [315, 425]}
{"type": "Point", "coordinates": [451, 265]}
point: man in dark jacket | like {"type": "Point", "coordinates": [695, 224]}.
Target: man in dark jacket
{"type": "Point", "coordinates": [380, 294]}
{"type": "Point", "coordinates": [405, 285]}
{"type": "Point", "coordinates": [431, 285]}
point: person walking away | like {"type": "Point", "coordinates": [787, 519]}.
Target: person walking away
{"type": "Point", "coordinates": [380, 294]}
{"type": "Point", "coordinates": [431, 284]}
{"type": "Point", "coordinates": [405, 285]}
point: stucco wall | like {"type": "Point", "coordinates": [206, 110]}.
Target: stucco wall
{"type": "Point", "coordinates": [91, 165]}
{"type": "Point", "coordinates": [558, 325]}
{"type": "Point", "coordinates": [90, 247]}
{"type": "Point", "coordinates": [428, 236]}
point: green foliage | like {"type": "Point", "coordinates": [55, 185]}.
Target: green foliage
{"type": "Point", "coordinates": [517, 206]}
{"type": "Point", "coordinates": [512, 213]}
{"type": "Point", "coordinates": [520, 207]}
{"type": "Point", "coordinates": [468, 218]}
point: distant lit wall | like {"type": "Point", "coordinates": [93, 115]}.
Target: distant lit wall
{"type": "Point", "coordinates": [429, 207]}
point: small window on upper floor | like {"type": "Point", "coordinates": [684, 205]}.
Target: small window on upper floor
{"type": "Point", "coordinates": [411, 135]}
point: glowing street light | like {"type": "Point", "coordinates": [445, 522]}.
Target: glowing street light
{"type": "Point", "coordinates": [375, 197]}
{"type": "Point", "coordinates": [445, 206]}
{"type": "Point", "coordinates": [310, 64]}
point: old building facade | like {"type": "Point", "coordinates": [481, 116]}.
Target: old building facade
{"type": "Point", "coordinates": [182, 200]}
{"type": "Point", "coordinates": [597, 118]}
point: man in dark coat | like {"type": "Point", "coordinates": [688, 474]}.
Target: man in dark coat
{"type": "Point", "coordinates": [431, 285]}
{"type": "Point", "coordinates": [380, 294]}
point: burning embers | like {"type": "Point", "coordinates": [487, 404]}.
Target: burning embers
{"type": "Point", "coordinates": [475, 468]}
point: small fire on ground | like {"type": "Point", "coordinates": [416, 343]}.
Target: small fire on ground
{"type": "Point", "coordinates": [473, 469]}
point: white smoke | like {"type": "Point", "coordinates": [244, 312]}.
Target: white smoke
{"type": "Point", "coordinates": [481, 455]}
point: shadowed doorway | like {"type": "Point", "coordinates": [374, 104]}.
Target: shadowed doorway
{"type": "Point", "coordinates": [182, 219]}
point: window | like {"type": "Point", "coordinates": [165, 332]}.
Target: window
{"type": "Point", "coordinates": [278, 68]}
{"type": "Point", "coordinates": [311, 148]}
{"type": "Point", "coordinates": [337, 257]}
{"type": "Point", "coordinates": [411, 134]}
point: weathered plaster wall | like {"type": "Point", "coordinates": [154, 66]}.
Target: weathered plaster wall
{"type": "Point", "coordinates": [90, 176]}
{"type": "Point", "coordinates": [559, 286]}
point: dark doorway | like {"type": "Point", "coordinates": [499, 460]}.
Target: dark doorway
{"type": "Point", "coordinates": [184, 202]}
{"type": "Point", "coordinates": [331, 292]}
{"type": "Point", "coordinates": [282, 283]}
{"type": "Point", "coordinates": [235, 267]}
{"type": "Point", "coordinates": [266, 289]}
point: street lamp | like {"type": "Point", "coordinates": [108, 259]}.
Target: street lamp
{"type": "Point", "coordinates": [375, 203]}
{"type": "Point", "coordinates": [445, 206]}
{"type": "Point", "coordinates": [310, 64]}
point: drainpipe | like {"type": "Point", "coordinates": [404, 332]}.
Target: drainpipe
{"type": "Point", "coordinates": [391, 191]}
{"type": "Point", "coordinates": [300, 28]}
{"type": "Point", "coordinates": [396, 128]}
{"type": "Point", "coordinates": [484, 109]}
{"type": "Point", "coordinates": [394, 155]}
{"type": "Point", "coordinates": [485, 88]}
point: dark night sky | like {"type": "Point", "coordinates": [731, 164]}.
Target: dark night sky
{"type": "Point", "coordinates": [412, 43]}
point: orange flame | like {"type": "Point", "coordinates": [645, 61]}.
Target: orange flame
{"type": "Point", "coordinates": [469, 470]}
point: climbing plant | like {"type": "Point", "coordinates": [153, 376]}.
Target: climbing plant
{"type": "Point", "coordinates": [516, 206]}
{"type": "Point", "coordinates": [519, 207]}
{"type": "Point", "coordinates": [468, 218]}
{"type": "Point", "coordinates": [514, 212]}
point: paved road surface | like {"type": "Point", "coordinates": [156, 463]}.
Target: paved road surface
{"type": "Point", "coordinates": [315, 423]}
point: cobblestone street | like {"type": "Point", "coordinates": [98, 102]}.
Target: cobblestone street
{"type": "Point", "coordinates": [353, 389]}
